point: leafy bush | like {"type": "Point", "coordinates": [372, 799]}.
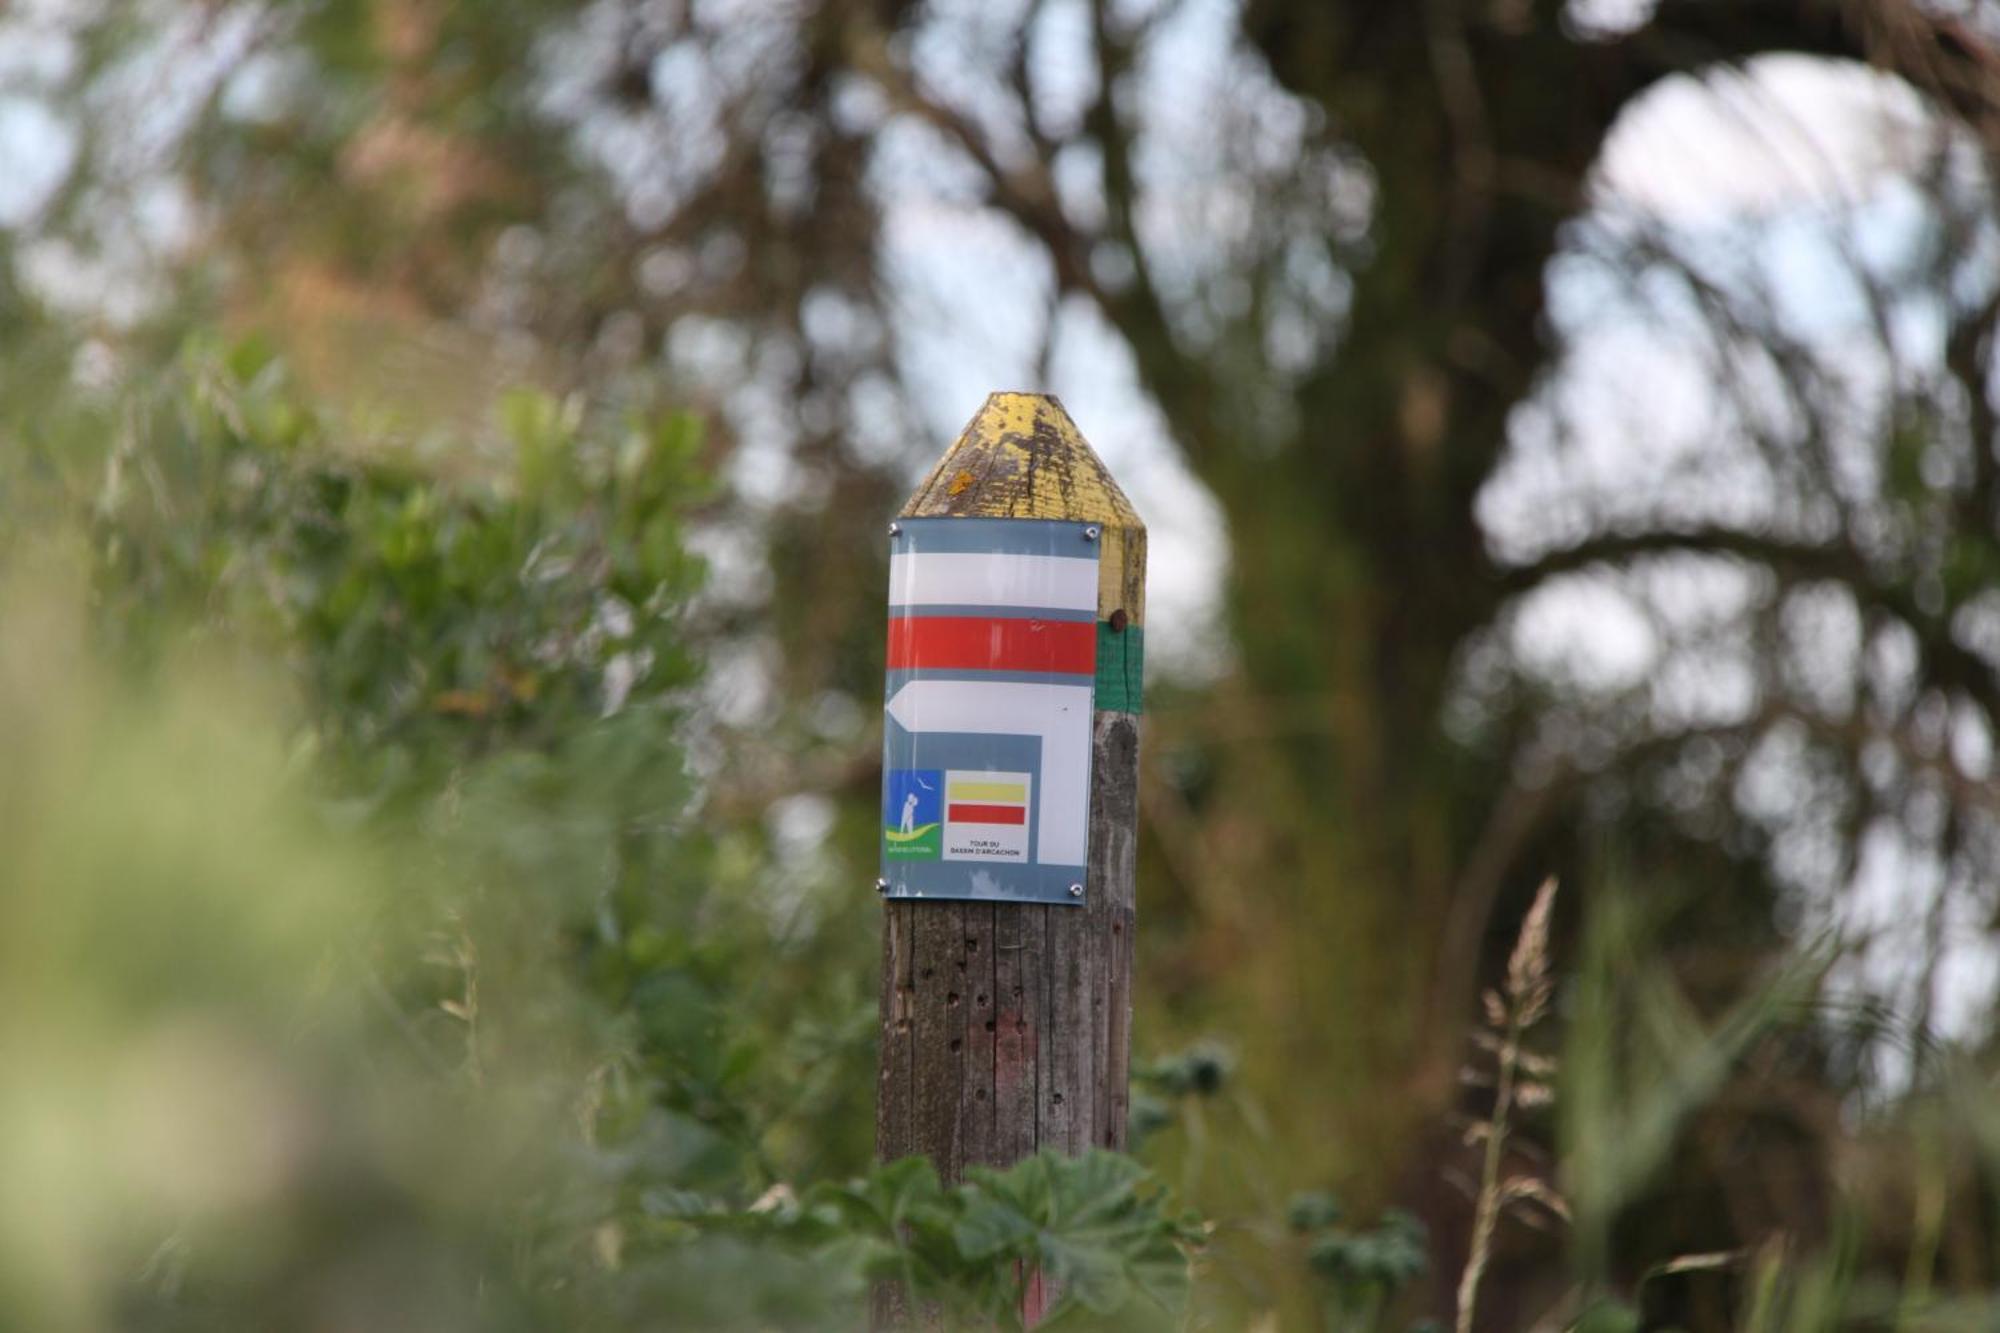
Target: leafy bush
{"type": "Point", "coordinates": [367, 961]}
{"type": "Point", "coordinates": [1095, 1230]}
{"type": "Point", "coordinates": [1361, 1271]}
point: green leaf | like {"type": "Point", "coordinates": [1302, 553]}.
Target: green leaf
{"type": "Point", "coordinates": [1607, 1316]}
{"type": "Point", "coordinates": [991, 1227]}
{"type": "Point", "coordinates": [1314, 1210]}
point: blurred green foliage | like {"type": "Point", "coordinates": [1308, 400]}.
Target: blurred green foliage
{"type": "Point", "coordinates": [365, 965]}
{"type": "Point", "coordinates": [1363, 1271]}
{"type": "Point", "coordinates": [1094, 1228]}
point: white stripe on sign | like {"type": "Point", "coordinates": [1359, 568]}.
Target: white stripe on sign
{"type": "Point", "coordinates": [957, 578]}
{"type": "Point", "coordinates": [1006, 708]}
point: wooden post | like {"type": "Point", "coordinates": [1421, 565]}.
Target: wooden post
{"type": "Point", "coordinates": [1006, 1027]}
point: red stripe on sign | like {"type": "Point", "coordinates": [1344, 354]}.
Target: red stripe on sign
{"type": "Point", "coordinates": [988, 814]}
{"type": "Point", "coordinates": [992, 643]}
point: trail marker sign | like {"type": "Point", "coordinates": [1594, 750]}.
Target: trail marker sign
{"type": "Point", "coordinates": [986, 742]}
{"type": "Point", "coordinates": [1010, 807]}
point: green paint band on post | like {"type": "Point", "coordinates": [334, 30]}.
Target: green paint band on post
{"type": "Point", "coordinates": [1121, 668]}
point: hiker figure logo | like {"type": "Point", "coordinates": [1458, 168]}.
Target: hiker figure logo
{"type": "Point", "coordinates": [913, 814]}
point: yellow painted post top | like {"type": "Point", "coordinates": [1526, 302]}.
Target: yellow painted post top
{"type": "Point", "coordinates": [1022, 457]}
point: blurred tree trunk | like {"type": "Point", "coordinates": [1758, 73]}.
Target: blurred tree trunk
{"type": "Point", "coordinates": [1358, 566]}
{"type": "Point", "coordinates": [1355, 550]}
{"type": "Point", "coordinates": [1354, 577]}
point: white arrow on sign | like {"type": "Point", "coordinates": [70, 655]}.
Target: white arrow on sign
{"type": "Point", "coordinates": [1058, 714]}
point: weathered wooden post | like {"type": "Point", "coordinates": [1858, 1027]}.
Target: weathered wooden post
{"type": "Point", "coordinates": [1010, 798]}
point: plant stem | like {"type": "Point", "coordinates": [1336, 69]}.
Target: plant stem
{"type": "Point", "coordinates": [1487, 1213]}
{"type": "Point", "coordinates": [1926, 1227]}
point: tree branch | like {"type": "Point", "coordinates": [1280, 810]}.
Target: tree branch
{"type": "Point", "coordinates": [1937, 54]}
{"type": "Point", "coordinates": [1026, 193]}
{"type": "Point", "coordinates": [1969, 352]}
{"type": "Point", "coordinates": [1953, 666]}
{"type": "Point", "coordinates": [1179, 384]}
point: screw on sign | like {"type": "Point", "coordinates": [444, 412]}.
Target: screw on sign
{"type": "Point", "coordinates": [1009, 802]}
